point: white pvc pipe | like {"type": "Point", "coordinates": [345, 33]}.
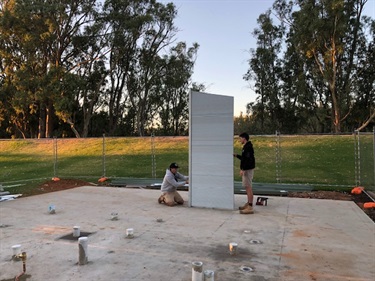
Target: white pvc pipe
{"type": "Point", "coordinates": [82, 250]}
{"type": "Point", "coordinates": [208, 275]}
{"type": "Point", "coordinates": [16, 250]}
{"type": "Point", "coordinates": [52, 209]}
{"type": "Point", "coordinates": [114, 216]}
{"type": "Point", "coordinates": [233, 248]}
{"type": "Point", "coordinates": [130, 233]}
{"type": "Point", "coordinates": [197, 271]}
{"type": "Point", "coordinates": [76, 231]}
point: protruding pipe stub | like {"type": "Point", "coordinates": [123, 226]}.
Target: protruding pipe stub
{"type": "Point", "coordinates": [16, 252]}
{"type": "Point", "coordinates": [52, 209]}
{"type": "Point", "coordinates": [82, 250]}
{"type": "Point", "coordinates": [208, 275]}
{"type": "Point", "coordinates": [130, 233]}
{"type": "Point", "coordinates": [197, 271]}
{"type": "Point", "coordinates": [76, 231]}
{"type": "Point", "coordinates": [16, 249]}
{"type": "Point", "coordinates": [114, 216]}
{"type": "Point", "coordinates": [197, 266]}
{"type": "Point", "coordinates": [233, 246]}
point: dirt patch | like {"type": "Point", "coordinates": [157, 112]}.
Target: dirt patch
{"type": "Point", "coordinates": [333, 195]}
{"type": "Point", "coordinates": [63, 184]}
{"type": "Point", "coordinates": [52, 186]}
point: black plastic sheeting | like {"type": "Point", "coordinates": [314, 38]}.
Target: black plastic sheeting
{"type": "Point", "coordinates": [258, 188]}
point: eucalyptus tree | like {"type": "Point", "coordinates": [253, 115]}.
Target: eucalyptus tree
{"type": "Point", "coordinates": [21, 65]}
{"type": "Point", "coordinates": [305, 107]}
{"type": "Point", "coordinates": [125, 22]}
{"type": "Point", "coordinates": [174, 89]}
{"type": "Point", "coordinates": [5, 108]}
{"type": "Point", "coordinates": [90, 74]}
{"type": "Point", "coordinates": [139, 31]}
{"type": "Point", "coordinates": [265, 70]}
{"type": "Point", "coordinates": [327, 37]}
{"type": "Point", "coordinates": [244, 123]}
{"type": "Point", "coordinates": [36, 42]}
{"type": "Point", "coordinates": [147, 67]}
{"type": "Point", "coordinates": [68, 60]}
{"type": "Point", "coordinates": [363, 112]}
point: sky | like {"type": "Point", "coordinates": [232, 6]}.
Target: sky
{"type": "Point", "coordinates": [223, 29]}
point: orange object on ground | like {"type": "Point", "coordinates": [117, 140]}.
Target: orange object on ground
{"type": "Point", "coordinates": [357, 190]}
{"type": "Point", "coordinates": [369, 205]}
{"type": "Point", "coordinates": [103, 179]}
{"type": "Point", "coordinates": [55, 179]}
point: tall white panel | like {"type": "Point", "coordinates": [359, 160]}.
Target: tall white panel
{"type": "Point", "coordinates": [210, 151]}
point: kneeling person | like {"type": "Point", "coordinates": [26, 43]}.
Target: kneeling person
{"type": "Point", "coordinates": [172, 180]}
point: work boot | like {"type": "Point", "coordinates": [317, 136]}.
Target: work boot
{"type": "Point", "coordinates": [244, 206]}
{"type": "Point", "coordinates": [247, 210]}
{"type": "Point", "coordinates": [161, 199]}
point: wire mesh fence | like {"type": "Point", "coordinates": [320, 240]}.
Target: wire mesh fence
{"type": "Point", "coordinates": [320, 160]}
{"type": "Point", "coordinates": [324, 160]}
{"type": "Point", "coordinates": [365, 159]}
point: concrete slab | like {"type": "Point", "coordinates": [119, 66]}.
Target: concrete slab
{"type": "Point", "coordinates": [290, 239]}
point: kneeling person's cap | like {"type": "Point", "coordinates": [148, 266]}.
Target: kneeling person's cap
{"type": "Point", "coordinates": [173, 165]}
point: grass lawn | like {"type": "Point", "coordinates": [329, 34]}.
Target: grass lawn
{"type": "Point", "coordinates": [326, 162]}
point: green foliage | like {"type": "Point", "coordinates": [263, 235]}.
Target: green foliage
{"type": "Point", "coordinates": [86, 67]}
{"type": "Point", "coordinates": [67, 63]}
{"type": "Point", "coordinates": [311, 68]}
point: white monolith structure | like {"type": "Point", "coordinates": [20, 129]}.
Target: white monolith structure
{"type": "Point", "coordinates": [82, 250]}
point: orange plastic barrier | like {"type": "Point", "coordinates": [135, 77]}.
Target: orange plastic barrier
{"type": "Point", "coordinates": [369, 205]}
{"type": "Point", "coordinates": [103, 179]}
{"type": "Point", "coordinates": [357, 190]}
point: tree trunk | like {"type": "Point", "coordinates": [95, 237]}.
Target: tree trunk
{"type": "Point", "coordinates": [73, 128]}
{"type": "Point", "coordinates": [49, 119]}
{"type": "Point", "coordinates": [86, 123]}
{"type": "Point", "coordinates": [335, 110]}
{"type": "Point", "coordinates": [42, 122]}
{"type": "Point", "coordinates": [364, 125]}
{"type": "Point", "coordinates": [140, 124]}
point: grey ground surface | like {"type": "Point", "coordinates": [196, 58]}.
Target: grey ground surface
{"type": "Point", "coordinates": [289, 239]}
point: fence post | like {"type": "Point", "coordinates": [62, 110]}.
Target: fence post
{"type": "Point", "coordinates": [153, 155]}
{"type": "Point", "coordinates": [55, 157]}
{"type": "Point", "coordinates": [278, 158]}
{"type": "Point", "coordinates": [103, 157]}
{"type": "Point", "coordinates": [357, 158]}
